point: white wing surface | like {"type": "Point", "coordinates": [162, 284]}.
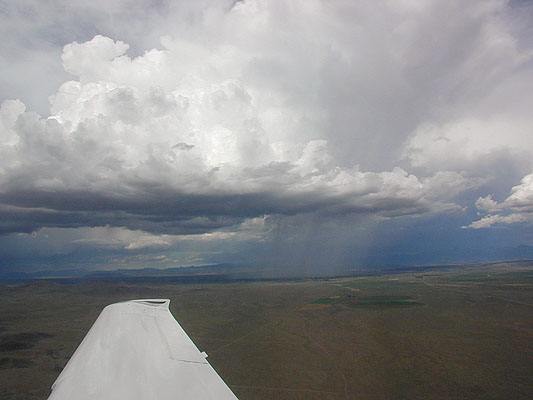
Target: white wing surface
{"type": "Point", "coordinates": [137, 351]}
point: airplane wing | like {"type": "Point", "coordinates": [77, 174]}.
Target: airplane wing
{"type": "Point", "coordinates": [137, 350]}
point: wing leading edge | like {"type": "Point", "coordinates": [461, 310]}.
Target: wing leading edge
{"type": "Point", "coordinates": [137, 350]}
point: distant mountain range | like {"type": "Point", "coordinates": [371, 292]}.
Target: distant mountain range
{"type": "Point", "coordinates": [117, 273]}
{"type": "Point", "coordinates": [226, 272]}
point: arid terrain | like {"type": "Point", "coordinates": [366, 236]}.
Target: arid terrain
{"type": "Point", "coordinates": [450, 333]}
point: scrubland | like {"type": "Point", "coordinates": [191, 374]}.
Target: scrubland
{"type": "Point", "coordinates": [459, 333]}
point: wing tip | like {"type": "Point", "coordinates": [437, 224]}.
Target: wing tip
{"type": "Point", "coordinates": [153, 303]}
{"type": "Point", "coordinates": [159, 303]}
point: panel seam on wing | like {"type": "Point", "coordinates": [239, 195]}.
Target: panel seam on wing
{"type": "Point", "coordinates": [191, 362]}
{"type": "Point", "coordinates": [163, 339]}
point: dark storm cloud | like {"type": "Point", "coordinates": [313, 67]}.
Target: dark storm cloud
{"type": "Point", "coordinates": [255, 124]}
{"type": "Point", "coordinates": [162, 212]}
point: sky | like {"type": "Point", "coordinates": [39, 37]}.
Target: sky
{"type": "Point", "coordinates": [308, 135]}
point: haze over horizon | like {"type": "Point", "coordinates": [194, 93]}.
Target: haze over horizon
{"type": "Point", "coordinates": [310, 135]}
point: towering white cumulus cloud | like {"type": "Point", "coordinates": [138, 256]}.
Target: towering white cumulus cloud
{"type": "Point", "coordinates": [269, 110]}
{"type": "Point", "coordinates": [126, 125]}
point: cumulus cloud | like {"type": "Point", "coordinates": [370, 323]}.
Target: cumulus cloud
{"type": "Point", "coordinates": [165, 157]}
{"type": "Point", "coordinates": [247, 115]}
{"type": "Point", "coordinates": [518, 207]}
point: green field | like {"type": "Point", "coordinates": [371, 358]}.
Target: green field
{"type": "Point", "coordinates": [463, 333]}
